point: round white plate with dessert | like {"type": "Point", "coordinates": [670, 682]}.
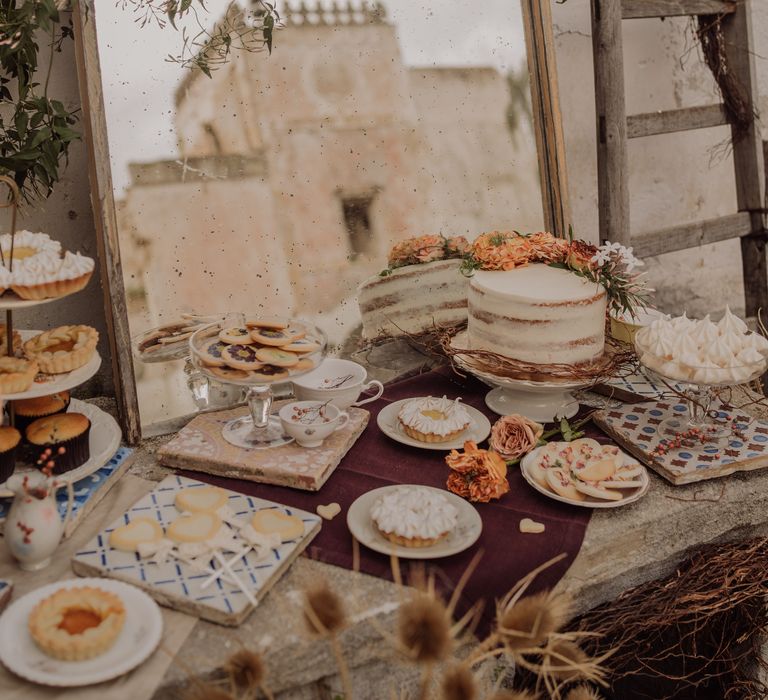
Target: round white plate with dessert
{"type": "Point", "coordinates": [433, 423]}
{"type": "Point", "coordinates": [104, 439]}
{"type": "Point", "coordinates": [107, 627]}
{"type": "Point", "coordinates": [414, 522]}
{"type": "Point", "coordinates": [585, 473]}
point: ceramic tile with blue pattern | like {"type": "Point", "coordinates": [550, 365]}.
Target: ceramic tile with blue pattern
{"type": "Point", "coordinates": [86, 489]}
{"type": "Point", "coordinates": [176, 584]}
{"type": "Point", "coordinates": [636, 429]}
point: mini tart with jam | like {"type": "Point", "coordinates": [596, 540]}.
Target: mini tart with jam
{"type": "Point", "coordinates": [432, 419]}
{"type": "Point", "coordinates": [62, 349]}
{"type": "Point", "coordinates": [67, 436]}
{"type": "Point", "coordinates": [77, 623]}
{"type": "Point", "coordinates": [16, 374]}
{"type": "Point", "coordinates": [17, 342]}
{"type": "Point", "coordinates": [9, 442]}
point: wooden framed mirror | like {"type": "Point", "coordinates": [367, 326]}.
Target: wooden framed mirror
{"type": "Point", "coordinates": [287, 177]}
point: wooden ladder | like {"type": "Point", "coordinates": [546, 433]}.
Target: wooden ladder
{"type": "Point", "coordinates": [614, 128]}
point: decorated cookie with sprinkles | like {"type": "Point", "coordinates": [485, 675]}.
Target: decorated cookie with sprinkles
{"type": "Point", "coordinates": [302, 345]}
{"type": "Point", "coordinates": [210, 353]}
{"type": "Point", "coordinates": [241, 357]}
{"type": "Point", "coordinates": [229, 373]}
{"type": "Point", "coordinates": [277, 357]}
{"type": "Point", "coordinates": [274, 338]}
{"type": "Point", "coordinates": [270, 373]}
{"type": "Point", "coordinates": [237, 335]}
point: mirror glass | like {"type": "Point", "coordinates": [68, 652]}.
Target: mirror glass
{"type": "Point", "coordinates": [279, 183]}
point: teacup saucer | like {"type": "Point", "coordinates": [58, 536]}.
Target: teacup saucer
{"type": "Point", "coordinates": [477, 431]}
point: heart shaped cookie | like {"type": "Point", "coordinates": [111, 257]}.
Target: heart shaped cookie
{"type": "Point", "coordinates": [328, 512]}
{"type": "Point", "coordinates": [270, 520]}
{"type": "Point", "coordinates": [201, 498]}
{"type": "Point", "coordinates": [128, 537]}
{"type": "Point", "coordinates": [196, 527]}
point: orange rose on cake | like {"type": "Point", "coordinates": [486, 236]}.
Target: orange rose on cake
{"type": "Point", "coordinates": [502, 251]}
{"type": "Point", "coordinates": [580, 255]}
{"type": "Point", "coordinates": [477, 475]}
{"type": "Point", "coordinates": [548, 248]}
{"type": "Point", "coordinates": [514, 436]}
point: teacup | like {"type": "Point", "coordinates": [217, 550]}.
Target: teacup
{"type": "Point", "coordinates": [310, 422]}
{"type": "Point", "coordinates": [340, 381]}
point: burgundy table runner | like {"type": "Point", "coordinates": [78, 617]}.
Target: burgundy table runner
{"type": "Point", "coordinates": [376, 460]}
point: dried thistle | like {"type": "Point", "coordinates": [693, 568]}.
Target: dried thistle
{"type": "Point", "coordinates": [247, 672]}
{"type": "Point", "coordinates": [513, 695]}
{"type": "Point", "coordinates": [528, 622]}
{"type": "Point", "coordinates": [324, 612]}
{"type": "Point", "coordinates": [325, 615]}
{"type": "Point", "coordinates": [424, 629]}
{"type": "Point", "coordinates": [566, 661]}
{"type": "Point", "coordinates": [459, 684]}
{"type": "Point", "coordinates": [582, 692]}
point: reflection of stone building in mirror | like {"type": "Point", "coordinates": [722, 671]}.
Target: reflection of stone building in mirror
{"type": "Point", "coordinates": [298, 170]}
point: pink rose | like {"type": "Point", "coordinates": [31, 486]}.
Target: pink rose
{"type": "Point", "coordinates": [514, 436]}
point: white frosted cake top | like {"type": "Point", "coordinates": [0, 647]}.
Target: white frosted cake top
{"type": "Point", "coordinates": [536, 283]}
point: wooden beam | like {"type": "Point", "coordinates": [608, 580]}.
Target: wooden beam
{"type": "Point", "coordinates": [692, 235]}
{"type": "Point", "coordinates": [638, 9]}
{"type": "Point", "coordinates": [548, 128]}
{"type": "Point", "coordinates": [612, 185]}
{"type": "Point", "coordinates": [653, 123]}
{"type": "Point", "coordinates": [102, 200]}
{"type": "Point", "coordinates": [748, 159]}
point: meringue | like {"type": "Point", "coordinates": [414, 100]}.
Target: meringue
{"type": "Point", "coordinates": [415, 513]}
{"type": "Point", "coordinates": [731, 324]}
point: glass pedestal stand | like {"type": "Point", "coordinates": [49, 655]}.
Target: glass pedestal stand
{"type": "Point", "coordinates": [700, 419]}
{"type": "Point", "coordinates": [259, 430]}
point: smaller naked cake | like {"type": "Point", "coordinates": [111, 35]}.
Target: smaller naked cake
{"type": "Point", "coordinates": [433, 420]}
{"type": "Point", "coordinates": [412, 516]}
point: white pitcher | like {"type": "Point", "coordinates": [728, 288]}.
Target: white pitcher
{"type": "Point", "coordinates": [34, 527]}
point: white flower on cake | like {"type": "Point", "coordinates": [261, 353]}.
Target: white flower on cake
{"type": "Point", "coordinates": [618, 253]}
{"type": "Point", "coordinates": [414, 516]}
{"type": "Point", "coordinates": [702, 351]}
{"type": "Point", "coordinates": [433, 419]}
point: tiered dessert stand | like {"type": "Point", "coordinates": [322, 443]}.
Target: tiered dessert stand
{"type": "Point", "coordinates": [259, 430]}
{"type": "Point", "coordinates": [105, 433]}
{"type": "Point", "coordinates": [539, 400]}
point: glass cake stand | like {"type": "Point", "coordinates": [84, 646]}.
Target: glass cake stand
{"type": "Point", "coordinates": [259, 430]}
{"type": "Point", "coordinates": [541, 401]}
{"type": "Point", "coordinates": [698, 385]}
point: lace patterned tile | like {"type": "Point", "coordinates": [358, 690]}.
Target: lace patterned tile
{"type": "Point", "coordinates": [200, 447]}
{"type": "Point", "coordinates": [179, 585]}
{"type": "Point", "coordinates": [636, 428]}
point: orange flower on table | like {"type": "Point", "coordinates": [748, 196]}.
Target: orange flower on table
{"type": "Point", "coordinates": [502, 251]}
{"type": "Point", "coordinates": [477, 475]}
{"type": "Point", "coordinates": [548, 248]}
{"type": "Point", "coordinates": [514, 436]}
{"type": "Point", "coordinates": [580, 255]}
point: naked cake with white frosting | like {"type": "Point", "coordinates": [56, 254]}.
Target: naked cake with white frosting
{"type": "Point", "coordinates": [413, 516]}
{"type": "Point", "coordinates": [537, 314]}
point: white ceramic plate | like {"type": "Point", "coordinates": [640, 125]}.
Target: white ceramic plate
{"type": "Point", "coordinates": [56, 382]}
{"type": "Point", "coordinates": [104, 440]}
{"type": "Point", "coordinates": [10, 300]}
{"type": "Point", "coordinates": [630, 495]}
{"type": "Point", "coordinates": [464, 535]}
{"type": "Point", "coordinates": [477, 430]}
{"type": "Point", "coordinates": [138, 639]}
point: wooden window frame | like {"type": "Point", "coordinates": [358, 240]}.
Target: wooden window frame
{"type": "Point", "coordinates": [540, 50]}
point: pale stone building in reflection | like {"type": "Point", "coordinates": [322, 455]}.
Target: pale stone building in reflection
{"type": "Point", "coordinates": [297, 171]}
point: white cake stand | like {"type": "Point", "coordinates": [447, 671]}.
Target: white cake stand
{"type": "Point", "coordinates": [543, 402]}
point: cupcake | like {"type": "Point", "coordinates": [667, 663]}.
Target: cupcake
{"type": "Point", "coordinates": [29, 410]}
{"type": "Point", "coordinates": [66, 434]}
{"type": "Point", "coordinates": [9, 441]}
